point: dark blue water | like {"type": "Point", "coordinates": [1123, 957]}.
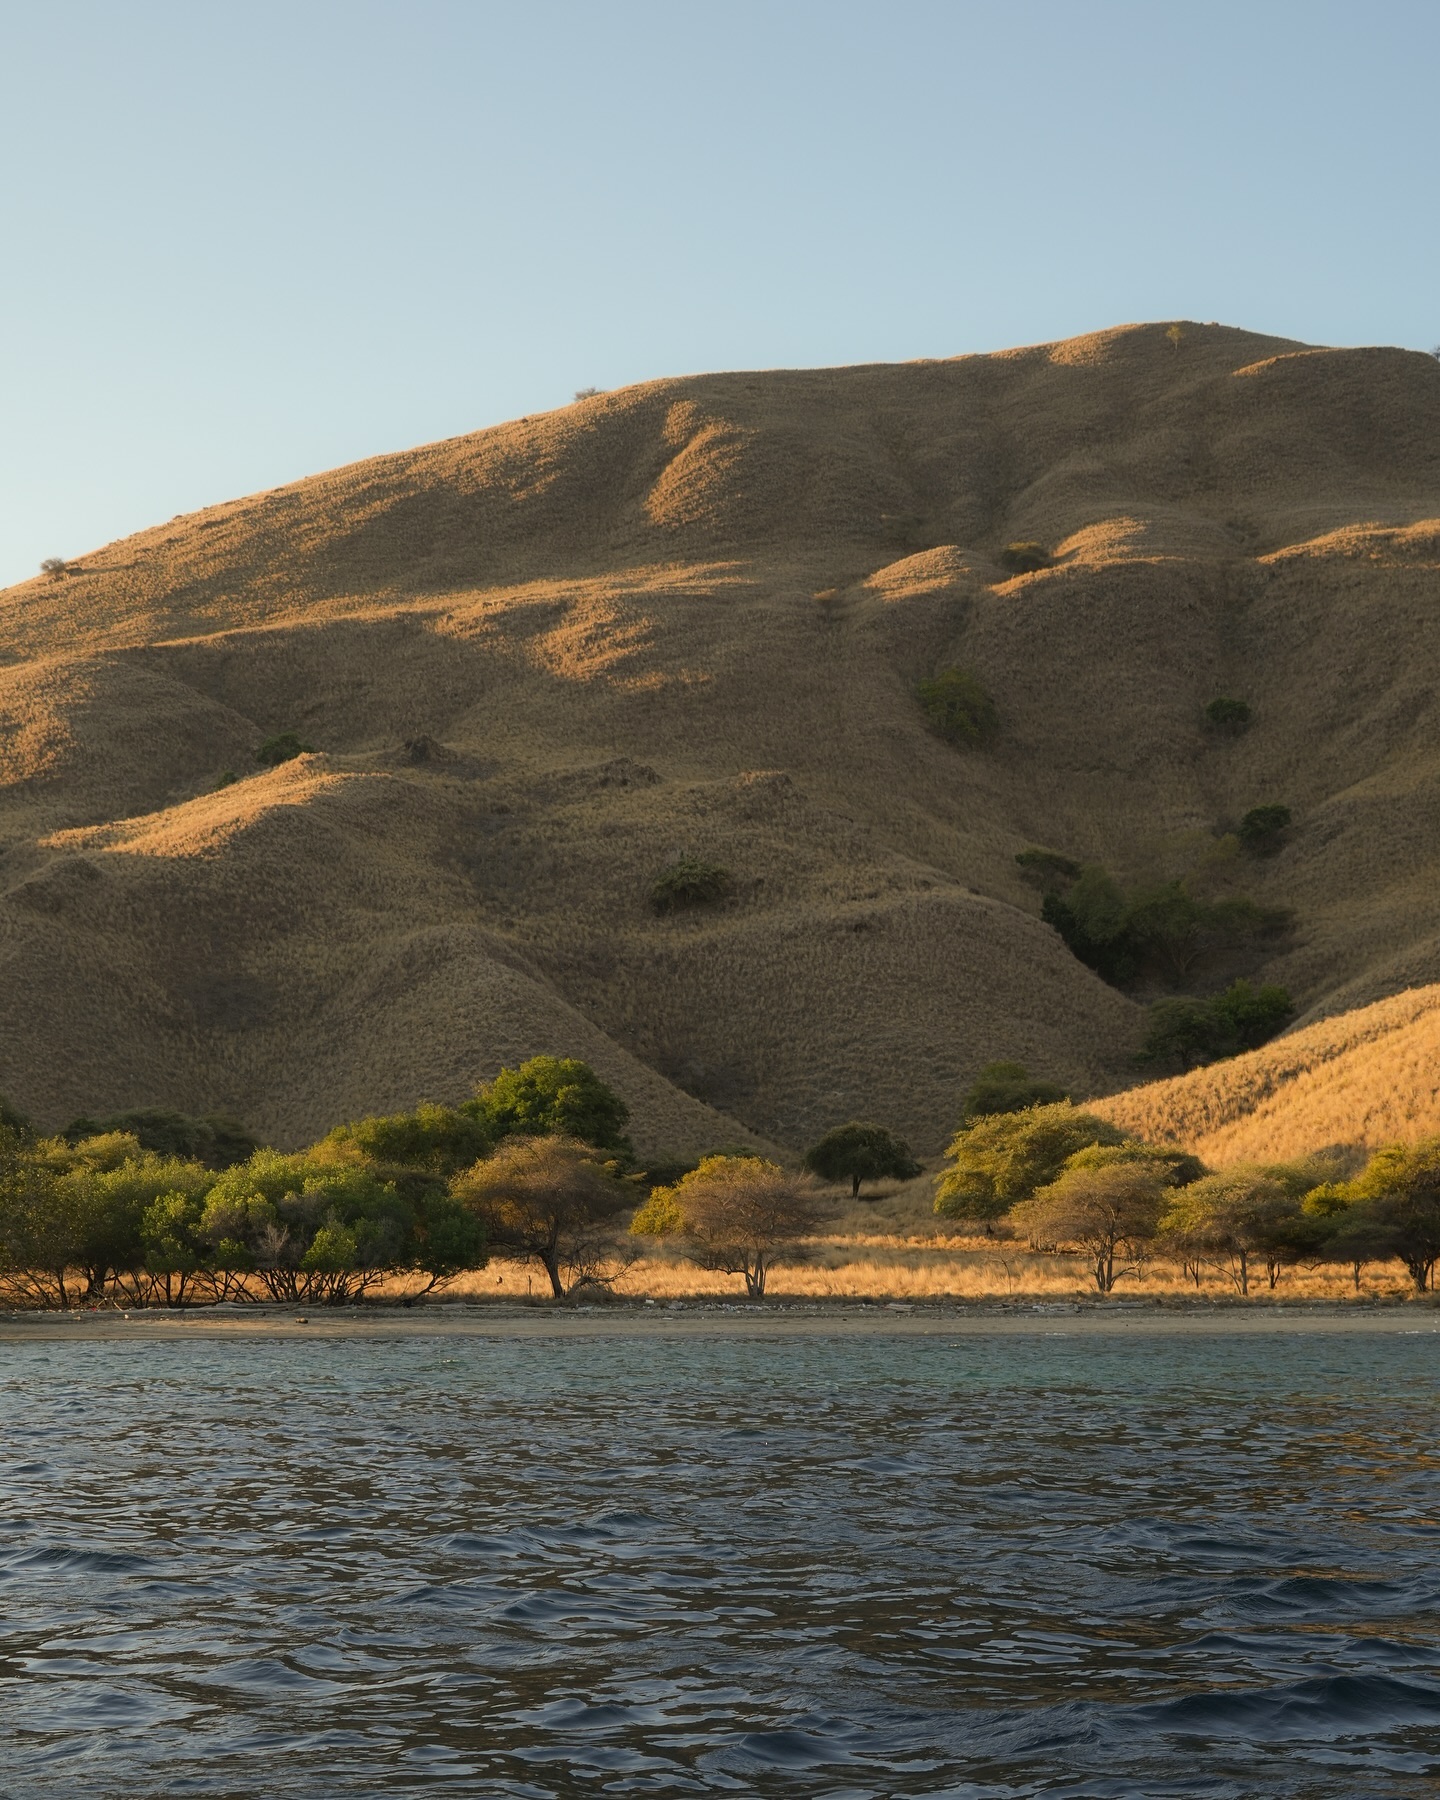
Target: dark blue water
{"type": "Point", "coordinates": [835, 1567]}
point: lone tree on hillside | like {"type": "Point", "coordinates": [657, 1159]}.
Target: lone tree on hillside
{"type": "Point", "coordinates": [554, 1096]}
{"type": "Point", "coordinates": [1262, 830]}
{"type": "Point", "coordinates": [55, 567]}
{"type": "Point", "coordinates": [284, 747]}
{"type": "Point", "coordinates": [689, 882]}
{"type": "Point", "coordinates": [1231, 716]}
{"type": "Point", "coordinates": [547, 1200]}
{"type": "Point", "coordinates": [1025, 558]}
{"type": "Point", "coordinates": [857, 1152]}
{"type": "Point", "coordinates": [739, 1215]}
{"type": "Point", "coordinates": [958, 707]}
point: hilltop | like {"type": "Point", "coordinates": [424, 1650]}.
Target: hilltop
{"type": "Point", "coordinates": [542, 662]}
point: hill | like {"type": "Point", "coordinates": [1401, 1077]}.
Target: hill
{"type": "Point", "coordinates": [1366, 1078]}
{"type": "Point", "coordinates": [543, 662]}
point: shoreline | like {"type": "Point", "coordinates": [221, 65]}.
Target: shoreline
{"type": "Point", "coordinates": [708, 1320]}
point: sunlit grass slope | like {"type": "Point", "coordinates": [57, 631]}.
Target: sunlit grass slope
{"type": "Point", "coordinates": [1363, 1078]}
{"type": "Point", "coordinates": [543, 662]}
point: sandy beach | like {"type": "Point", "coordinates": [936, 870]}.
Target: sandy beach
{"type": "Point", "coordinates": [1126, 1318]}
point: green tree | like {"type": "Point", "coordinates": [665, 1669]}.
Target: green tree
{"type": "Point", "coordinates": [1006, 1087]}
{"type": "Point", "coordinates": [740, 1215]}
{"type": "Point", "coordinates": [548, 1200]}
{"type": "Point", "coordinates": [555, 1096]}
{"type": "Point", "coordinates": [216, 1140]}
{"type": "Point", "coordinates": [437, 1139]}
{"type": "Point", "coordinates": [1228, 716]}
{"type": "Point", "coordinates": [1106, 1212]}
{"type": "Point", "coordinates": [1184, 1031]}
{"type": "Point", "coordinates": [959, 707]}
{"type": "Point", "coordinates": [998, 1162]}
{"type": "Point", "coordinates": [1234, 1216]}
{"type": "Point", "coordinates": [284, 747]}
{"type": "Point", "coordinates": [1398, 1197]}
{"type": "Point", "coordinates": [310, 1227]}
{"type": "Point", "coordinates": [858, 1152]}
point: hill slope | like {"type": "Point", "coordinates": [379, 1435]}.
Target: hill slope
{"type": "Point", "coordinates": [1365, 1078]}
{"type": "Point", "coordinates": [686, 619]}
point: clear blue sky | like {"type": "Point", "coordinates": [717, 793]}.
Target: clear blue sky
{"type": "Point", "coordinates": [247, 240]}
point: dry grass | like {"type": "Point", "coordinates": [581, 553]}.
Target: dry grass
{"type": "Point", "coordinates": [959, 1269]}
{"type": "Point", "coordinates": [607, 617]}
{"type": "Point", "coordinates": [1366, 1078]}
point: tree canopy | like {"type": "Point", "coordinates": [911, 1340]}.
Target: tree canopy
{"type": "Point", "coordinates": [859, 1152]}
{"type": "Point", "coordinates": [1001, 1160]}
{"type": "Point", "coordinates": [556, 1096]}
{"type": "Point", "coordinates": [737, 1214]}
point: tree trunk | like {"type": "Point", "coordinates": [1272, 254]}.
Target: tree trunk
{"type": "Point", "coordinates": [1245, 1273]}
{"type": "Point", "coordinates": [551, 1259]}
{"type": "Point", "coordinates": [854, 1187]}
{"type": "Point", "coordinates": [1272, 1274]}
{"type": "Point", "coordinates": [1355, 1273]}
{"type": "Point", "coordinates": [755, 1279]}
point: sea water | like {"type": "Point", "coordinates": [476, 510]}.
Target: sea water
{"type": "Point", "coordinates": [830, 1566]}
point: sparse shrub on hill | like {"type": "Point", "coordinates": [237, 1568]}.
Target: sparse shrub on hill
{"type": "Point", "coordinates": [1228, 716]}
{"type": "Point", "coordinates": [1185, 1032]}
{"type": "Point", "coordinates": [12, 1119]}
{"type": "Point", "coordinates": [1047, 868]}
{"type": "Point", "coordinates": [554, 1096]}
{"type": "Point", "coordinates": [999, 1161]}
{"type": "Point", "coordinates": [958, 707]}
{"type": "Point", "coordinates": [687, 883]}
{"type": "Point", "coordinates": [740, 1215]}
{"type": "Point", "coordinates": [1006, 1087]}
{"type": "Point", "coordinates": [858, 1152]}
{"type": "Point", "coordinates": [1262, 830]}
{"type": "Point", "coordinates": [284, 747]}
{"type": "Point", "coordinates": [55, 567]}
{"type": "Point", "coordinates": [1025, 558]}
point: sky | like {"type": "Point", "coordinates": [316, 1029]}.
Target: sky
{"type": "Point", "coordinates": [242, 241]}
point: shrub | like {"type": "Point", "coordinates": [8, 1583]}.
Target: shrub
{"type": "Point", "coordinates": [588, 393]}
{"type": "Point", "coordinates": [1025, 558]}
{"type": "Point", "coordinates": [55, 567]}
{"type": "Point", "coordinates": [1006, 1087]}
{"type": "Point", "coordinates": [284, 747]}
{"type": "Point", "coordinates": [1231, 716]}
{"type": "Point", "coordinates": [1047, 868]}
{"type": "Point", "coordinates": [217, 1141]}
{"type": "Point", "coordinates": [437, 1139]}
{"type": "Point", "coordinates": [958, 707]}
{"type": "Point", "coordinates": [858, 1152]}
{"type": "Point", "coordinates": [689, 882]}
{"type": "Point", "coordinates": [1262, 830]}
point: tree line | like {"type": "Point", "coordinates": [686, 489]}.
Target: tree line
{"type": "Point", "coordinates": [152, 1208]}
{"type": "Point", "coordinates": [1069, 1181]}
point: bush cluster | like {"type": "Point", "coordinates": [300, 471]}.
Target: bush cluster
{"type": "Point", "coordinates": [155, 1208]}
{"type": "Point", "coordinates": [284, 747]}
{"type": "Point", "coordinates": [1228, 716]}
{"type": "Point", "coordinates": [1025, 558]}
{"type": "Point", "coordinates": [1184, 1032]}
{"type": "Point", "coordinates": [1163, 933]}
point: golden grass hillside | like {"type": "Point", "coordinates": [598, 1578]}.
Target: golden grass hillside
{"type": "Point", "coordinates": [542, 662]}
{"type": "Point", "coordinates": [1360, 1079]}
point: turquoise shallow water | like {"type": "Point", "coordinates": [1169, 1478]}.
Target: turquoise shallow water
{"type": "Point", "coordinates": [987, 1567]}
